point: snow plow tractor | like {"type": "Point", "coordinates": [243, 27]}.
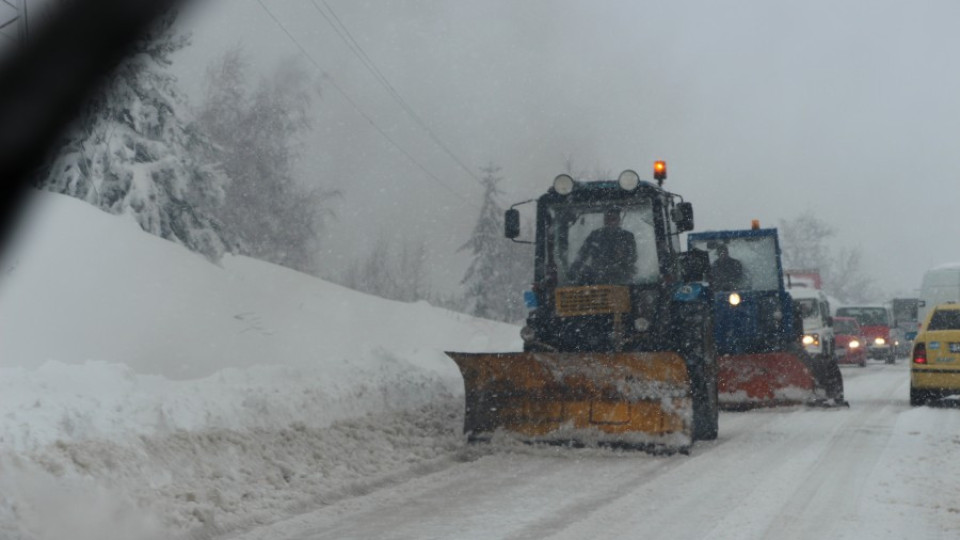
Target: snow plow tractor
{"type": "Point", "coordinates": [618, 343]}
{"type": "Point", "coordinates": [758, 329]}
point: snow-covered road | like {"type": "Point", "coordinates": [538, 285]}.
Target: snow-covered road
{"type": "Point", "coordinates": [876, 470]}
{"type": "Point", "coordinates": [169, 398]}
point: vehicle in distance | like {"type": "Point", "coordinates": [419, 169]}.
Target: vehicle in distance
{"type": "Point", "coordinates": [814, 307]}
{"type": "Point", "coordinates": [935, 365]}
{"type": "Point", "coordinates": [850, 343]}
{"type": "Point", "coordinates": [875, 322]}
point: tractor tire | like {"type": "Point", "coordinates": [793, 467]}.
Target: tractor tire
{"type": "Point", "coordinates": [827, 376]}
{"type": "Point", "coordinates": [833, 380]}
{"type": "Point", "coordinates": [695, 324]}
{"type": "Point", "coordinates": [706, 417]}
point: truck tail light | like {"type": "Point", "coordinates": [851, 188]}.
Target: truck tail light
{"type": "Point", "coordinates": [920, 353]}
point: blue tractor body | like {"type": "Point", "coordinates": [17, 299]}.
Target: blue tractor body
{"type": "Point", "coordinates": [763, 319]}
{"type": "Point", "coordinates": [757, 329]}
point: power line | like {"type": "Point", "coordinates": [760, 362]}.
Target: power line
{"type": "Point", "coordinates": [356, 107]}
{"type": "Point", "coordinates": [371, 66]}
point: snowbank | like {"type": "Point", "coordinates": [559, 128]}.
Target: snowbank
{"type": "Point", "coordinates": [138, 379]}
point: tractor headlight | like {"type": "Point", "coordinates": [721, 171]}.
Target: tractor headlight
{"type": "Point", "coordinates": [734, 299]}
{"type": "Point", "coordinates": [879, 341]}
{"type": "Point", "coordinates": [811, 339]}
{"type": "Point", "coordinates": [563, 184]}
{"type": "Point", "coordinates": [854, 344]}
{"type": "Point", "coordinates": [629, 180]}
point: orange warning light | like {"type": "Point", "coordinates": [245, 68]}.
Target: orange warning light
{"type": "Point", "coordinates": [755, 224]}
{"type": "Point", "coordinates": [660, 170]}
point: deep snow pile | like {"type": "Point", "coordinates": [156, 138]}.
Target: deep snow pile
{"type": "Point", "coordinates": [146, 393]}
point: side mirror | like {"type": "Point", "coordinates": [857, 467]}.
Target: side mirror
{"type": "Point", "coordinates": [511, 223]}
{"type": "Point", "coordinates": [829, 321]}
{"type": "Point", "coordinates": [682, 215]}
{"type": "Point", "coordinates": [694, 265]}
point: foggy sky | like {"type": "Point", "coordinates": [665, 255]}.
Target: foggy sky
{"type": "Point", "coordinates": [762, 110]}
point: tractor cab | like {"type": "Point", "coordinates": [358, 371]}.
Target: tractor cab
{"type": "Point", "coordinates": [753, 312]}
{"type": "Point", "coordinates": [607, 254]}
{"type": "Point", "coordinates": [757, 326]}
{"type": "Point", "coordinates": [618, 344]}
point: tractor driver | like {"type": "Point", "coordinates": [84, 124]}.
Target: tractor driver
{"type": "Point", "coordinates": [608, 255]}
{"type": "Point", "coordinates": [726, 272]}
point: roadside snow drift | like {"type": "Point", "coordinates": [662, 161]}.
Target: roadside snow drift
{"type": "Point", "coordinates": [148, 393]}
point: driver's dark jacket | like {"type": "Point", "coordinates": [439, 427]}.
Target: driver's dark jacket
{"type": "Point", "coordinates": [726, 274]}
{"type": "Point", "coordinates": [608, 255]}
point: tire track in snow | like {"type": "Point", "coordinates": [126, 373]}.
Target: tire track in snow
{"type": "Point", "coordinates": [817, 509]}
{"type": "Point", "coordinates": [730, 491]}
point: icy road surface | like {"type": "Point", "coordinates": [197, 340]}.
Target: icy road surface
{"type": "Point", "coordinates": [879, 469]}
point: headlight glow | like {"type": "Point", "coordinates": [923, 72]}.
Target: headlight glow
{"type": "Point", "coordinates": [809, 340]}
{"type": "Point", "coordinates": [879, 341]}
{"type": "Point", "coordinates": [734, 299]}
{"type": "Point", "coordinates": [854, 344]}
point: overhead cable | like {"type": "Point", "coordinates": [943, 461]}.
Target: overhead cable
{"type": "Point", "coordinates": [334, 21]}
{"type": "Point", "coordinates": [357, 108]}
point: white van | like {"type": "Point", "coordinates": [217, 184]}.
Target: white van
{"type": "Point", "coordinates": [941, 284]}
{"type": "Point", "coordinates": [818, 337]}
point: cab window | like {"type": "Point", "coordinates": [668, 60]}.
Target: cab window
{"type": "Point", "coordinates": [808, 308]}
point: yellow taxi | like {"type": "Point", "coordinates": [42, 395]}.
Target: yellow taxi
{"type": "Point", "coordinates": [935, 366]}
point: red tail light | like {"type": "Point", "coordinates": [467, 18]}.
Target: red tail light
{"type": "Point", "coordinates": [919, 353]}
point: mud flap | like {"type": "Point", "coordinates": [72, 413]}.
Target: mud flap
{"type": "Point", "coordinates": [637, 400]}
{"type": "Point", "coordinates": [765, 380]}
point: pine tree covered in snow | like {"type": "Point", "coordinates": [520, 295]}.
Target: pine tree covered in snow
{"type": "Point", "coordinates": [135, 151]}
{"type": "Point", "coordinates": [256, 133]}
{"type": "Point", "coordinates": [501, 269]}
{"type": "Point", "coordinates": [393, 270]}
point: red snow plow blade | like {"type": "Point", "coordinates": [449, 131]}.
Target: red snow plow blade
{"type": "Point", "coordinates": [639, 400]}
{"type": "Point", "coordinates": [764, 380]}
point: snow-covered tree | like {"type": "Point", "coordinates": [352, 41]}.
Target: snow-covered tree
{"type": "Point", "coordinates": [257, 132]}
{"type": "Point", "coordinates": [805, 245]}
{"type": "Point", "coordinates": [501, 269]}
{"type": "Point", "coordinates": [136, 151]}
{"type": "Point", "coordinates": [397, 272]}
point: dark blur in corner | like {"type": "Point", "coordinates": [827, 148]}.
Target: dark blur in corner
{"type": "Point", "coordinates": [44, 82]}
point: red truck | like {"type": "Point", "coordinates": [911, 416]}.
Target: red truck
{"type": "Point", "coordinates": [875, 323]}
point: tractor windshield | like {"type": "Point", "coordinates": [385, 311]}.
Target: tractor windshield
{"type": "Point", "coordinates": [595, 244]}
{"type": "Point", "coordinates": [744, 263]}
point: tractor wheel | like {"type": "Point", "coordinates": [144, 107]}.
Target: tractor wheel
{"type": "Point", "coordinates": [697, 347]}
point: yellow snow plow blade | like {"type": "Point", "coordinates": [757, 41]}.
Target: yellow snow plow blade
{"type": "Point", "coordinates": [623, 399]}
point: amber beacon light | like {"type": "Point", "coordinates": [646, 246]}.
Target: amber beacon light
{"type": "Point", "coordinates": [660, 171]}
